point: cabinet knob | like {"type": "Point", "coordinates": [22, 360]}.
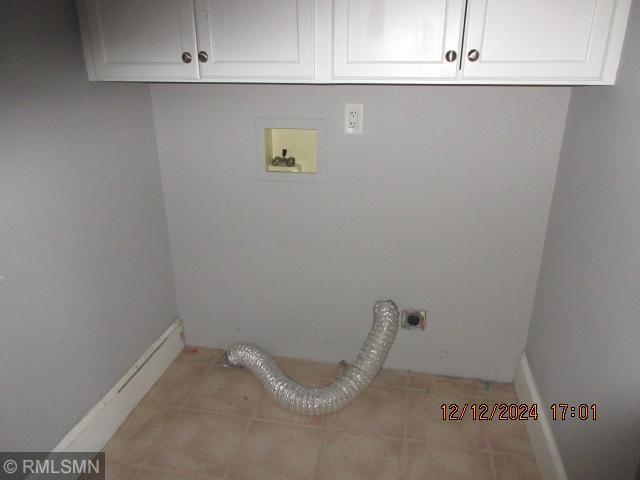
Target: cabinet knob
{"type": "Point", "coordinates": [451, 56]}
{"type": "Point", "coordinates": [202, 56]}
{"type": "Point", "coordinates": [473, 55]}
{"type": "Point", "coordinates": [186, 57]}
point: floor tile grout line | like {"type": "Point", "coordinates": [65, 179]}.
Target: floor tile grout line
{"type": "Point", "coordinates": [187, 408]}
{"type": "Point", "coordinates": [189, 394]}
{"type": "Point", "coordinates": [405, 443]}
{"type": "Point", "coordinates": [233, 457]}
{"type": "Point", "coordinates": [157, 442]}
{"type": "Point", "coordinates": [137, 466]}
{"type": "Point", "coordinates": [174, 470]}
{"type": "Point", "coordinates": [448, 446]}
{"type": "Point", "coordinates": [322, 446]}
{"type": "Point", "coordinates": [405, 415]}
{"type": "Point", "coordinates": [493, 466]}
{"type": "Point", "coordinates": [512, 454]}
{"type": "Point", "coordinates": [365, 434]}
{"type": "Point", "coordinates": [127, 464]}
{"type": "Point", "coordinates": [290, 424]}
{"type": "Point", "coordinates": [235, 454]}
{"type": "Point", "coordinates": [471, 449]}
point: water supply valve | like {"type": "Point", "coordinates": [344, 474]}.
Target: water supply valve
{"type": "Point", "coordinates": [284, 161]}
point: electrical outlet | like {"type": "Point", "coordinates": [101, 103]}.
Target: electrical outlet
{"type": "Point", "coordinates": [352, 123]}
{"type": "Point", "coordinates": [353, 118]}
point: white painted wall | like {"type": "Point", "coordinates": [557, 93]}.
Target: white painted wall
{"type": "Point", "coordinates": [585, 330]}
{"type": "Point", "coordinates": [442, 203]}
{"type": "Point", "coordinates": [85, 273]}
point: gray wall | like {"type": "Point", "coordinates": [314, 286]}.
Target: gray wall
{"type": "Point", "coordinates": [585, 331]}
{"type": "Point", "coordinates": [85, 272]}
{"type": "Point", "coordinates": [442, 203]}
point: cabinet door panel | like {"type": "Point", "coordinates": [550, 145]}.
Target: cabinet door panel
{"type": "Point", "coordinates": [256, 39]}
{"type": "Point", "coordinates": [537, 39]}
{"type": "Point", "coordinates": [142, 39]}
{"type": "Point", "coordinates": [396, 39]}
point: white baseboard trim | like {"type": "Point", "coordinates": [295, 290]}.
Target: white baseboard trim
{"type": "Point", "coordinates": [96, 428]}
{"type": "Point", "coordinates": [544, 445]}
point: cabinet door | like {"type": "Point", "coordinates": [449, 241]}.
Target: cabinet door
{"type": "Point", "coordinates": [140, 39]}
{"type": "Point", "coordinates": [403, 40]}
{"type": "Point", "coordinates": [536, 40]}
{"type": "Point", "coordinates": [256, 40]}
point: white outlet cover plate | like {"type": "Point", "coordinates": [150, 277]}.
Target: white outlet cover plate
{"type": "Point", "coordinates": [353, 118]}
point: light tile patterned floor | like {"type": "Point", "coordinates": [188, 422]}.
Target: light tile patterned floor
{"type": "Point", "coordinates": [203, 421]}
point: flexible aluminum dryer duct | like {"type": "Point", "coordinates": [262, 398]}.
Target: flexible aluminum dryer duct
{"type": "Point", "coordinates": [331, 398]}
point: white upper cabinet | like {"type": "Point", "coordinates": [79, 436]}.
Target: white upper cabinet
{"type": "Point", "coordinates": [256, 40]}
{"type": "Point", "coordinates": [139, 39]}
{"type": "Point", "coordinates": [564, 42]}
{"type": "Point", "coordinates": [539, 40]}
{"type": "Point", "coordinates": [402, 40]}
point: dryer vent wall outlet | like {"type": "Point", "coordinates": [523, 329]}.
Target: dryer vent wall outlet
{"type": "Point", "coordinates": [414, 319]}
